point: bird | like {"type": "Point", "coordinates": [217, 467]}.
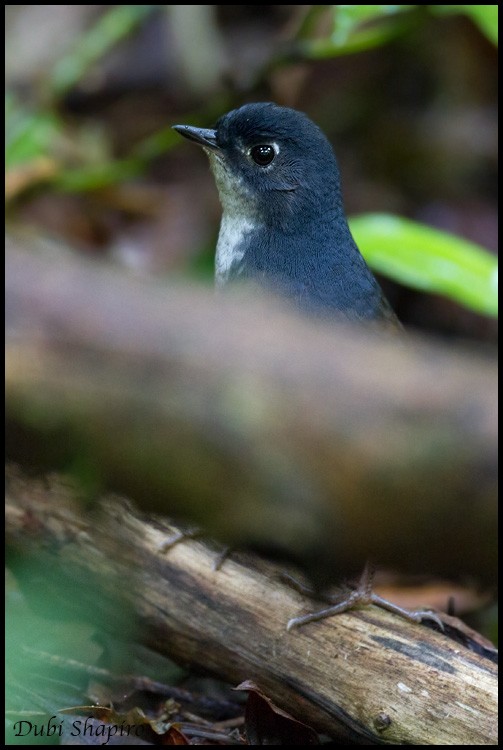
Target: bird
{"type": "Point", "coordinates": [284, 226]}
{"type": "Point", "coordinates": [283, 223]}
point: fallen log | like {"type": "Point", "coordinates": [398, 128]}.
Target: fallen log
{"type": "Point", "coordinates": [366, 675]}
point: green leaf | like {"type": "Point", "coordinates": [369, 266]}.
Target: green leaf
{"type": "Point", "coordinates": [429, 259]}
{"type": "Point", "coordinates": [349, 18]}
{"type": "Point", "coordinates": [356, 28]}
{"type": "Point", "coordinates": [359, 27]}
{"type": "Point", "coordinates": [485, 16]}
{"type": "Point", "coordinates": [28, 134]}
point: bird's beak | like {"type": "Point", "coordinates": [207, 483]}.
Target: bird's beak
{"type": "Point", "coordinates": [204, 137]}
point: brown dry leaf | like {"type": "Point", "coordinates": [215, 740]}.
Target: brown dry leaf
{"type": "Point", "coordinates": [24, 176]}
{"type": "Point", "coordinates": [267, 724]}
{"type": "Point", "coordinates": [174, 737]}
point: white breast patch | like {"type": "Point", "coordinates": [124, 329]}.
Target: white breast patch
{"type": "Point", "coordinates": [230, 245]}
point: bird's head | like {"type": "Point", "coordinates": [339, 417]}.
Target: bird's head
{"type": "Point", "coordinates": [271, 164]}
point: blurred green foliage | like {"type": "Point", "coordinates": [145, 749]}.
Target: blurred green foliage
{"type": "Point", "coordinates": [113, 26]}
{"type": "Point", "coordinates": [85, 164]}
{"type": "Point", "coordinates": [29, 134]}
{"type": "Point", "coordinates": [356, 28]}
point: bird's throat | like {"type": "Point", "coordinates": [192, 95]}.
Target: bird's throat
{"type": "Point", "coordinates": [233, 239]}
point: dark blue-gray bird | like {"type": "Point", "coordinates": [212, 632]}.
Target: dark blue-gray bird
{"type": "Point", "coordinates": [284, 224]}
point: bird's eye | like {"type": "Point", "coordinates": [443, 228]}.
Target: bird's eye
{"type": "Point", "coordinates": [262, 154]}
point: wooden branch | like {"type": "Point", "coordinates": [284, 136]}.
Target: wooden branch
{"type": "Point", "coordinates": [366, 674]}
{"type": "Point", "coordinates": [328, 443]}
